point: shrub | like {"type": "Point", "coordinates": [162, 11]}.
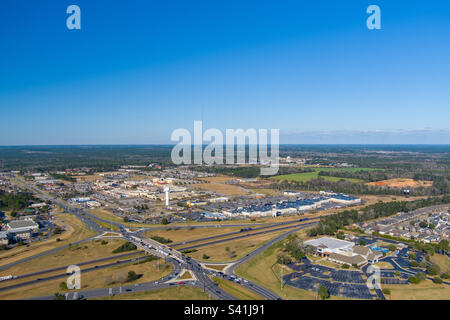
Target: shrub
{"type": "Point", "coordinates": [132, 276]}
{"type": "Point", "coordinates": [127, 246]}
{"type": "Point", "coordinates": [323, 293]}
{"type": "Point", "coordinates": [161, 239]}
{"type": "Point", "coordinates": [413, 263]}
{"type": "Point", "coordinates": [58, 296]}
{"type": "Point", "coordinates": [438, 280]}
{"type": "Point", "coordinates": [386, 291]}
{"type": "Point", "coordinates": [433, 270]}
{"type": "Point", "coordinates": [345, 266]}
{"type": "Point", "coordinates": [205, 256]}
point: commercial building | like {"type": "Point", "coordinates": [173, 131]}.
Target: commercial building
{"type": "Point", "coordinates": [22, 229]}
{"type": "Point", "coordinates": [343, 252]}
{"type": "Point", "coordinates": [4, 237]}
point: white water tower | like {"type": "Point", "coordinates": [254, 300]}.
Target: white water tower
{"type": "Point", "coordinates": [167, 191]}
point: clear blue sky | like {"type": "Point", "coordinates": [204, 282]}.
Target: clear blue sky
{"type": "Point", "coordinates": [139, 69]}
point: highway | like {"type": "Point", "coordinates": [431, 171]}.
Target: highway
{"type": "Point", "coordinates": [243, 236]}
{"type": "Point", "coordinates": [246, 232]}
{"type": "Point", "coordinates": [171, 255]}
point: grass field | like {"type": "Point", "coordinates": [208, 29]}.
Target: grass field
{"type": "Point", "coordinates": [264, 271]}
{"type": "Point", "coordinates": [86, 251]}
{"type": "Point", "coordinates": [174, 293]}
{"type": "Point", "coordinates": [305, 176]}
{"type": "Point", "coordinates": [384, 265]}
{"type": "Point", "coordinates": [442, 261]}
{"type": "Point", "coordinates": [109, 216]}
{"type": "Point", "coordinates": [185, 234]}
{"type": "Point", "coordinates": [75, 231]}
{"type": "Point", "coordinates": [236, 290]}
{"type": "Point", "coordinates": [101, 278]}
{"type": "Point", "coordinates": [219, 253]}
{"type": "Point", "coordinates": [425, 290]}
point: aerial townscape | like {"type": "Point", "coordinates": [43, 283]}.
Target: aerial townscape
{"type": "Point", "coordinates": [224, 159]}
{"type": "Point", "coordinates": [154, 230]}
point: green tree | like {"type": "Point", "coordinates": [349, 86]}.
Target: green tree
{"type": "Point", "coordinates": [323, 293]}
{"type": "Point", "coordinates": [132, 276]}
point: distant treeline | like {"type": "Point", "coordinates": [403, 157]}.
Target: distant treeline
{"type": "Point", "coordinates": [440, 186]}
{"type": "Point", "coordinates": [329, 225]}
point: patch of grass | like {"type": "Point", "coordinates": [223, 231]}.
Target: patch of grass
{"type": "Point", "coordinates": [101, 278]}
{"type": "Point", "coordinates": [75, 230]}
{"type": "Point", "coordinates": [264, 271]}
{"type": "Point", "coordinates": [425, 290]}
{"type": "Point", "coordinates": [237, 290]}
{"type": "Point", "coordinates": [233, 250]}
{"type": "Point", "coordinates": [74, 254]}
{"type": "Point", "coordinates": [173, 293]}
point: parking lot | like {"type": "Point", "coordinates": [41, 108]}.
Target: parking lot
{"type": "Point", "coordinates": [342, 283]}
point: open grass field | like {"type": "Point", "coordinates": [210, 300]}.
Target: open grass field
{"type": "Point", "coordinates": [185, 234]}
{"type": "Point", "coordinates": [236, 290]}
{"type": "Point", "coordinates": [236, 249]}
{"type": "Point", "coordinates": [305, 176]}
{"type": "Point", "coordinates": [442, 261]}
{"type": "Point", "coordinates": [86, 251]}
{"type": "Point", "coordinates": [75, 231]}
{"type": "Point", "coordinates": [384, 265]}
{"type": "Point", "coordinates": [425, 290]}
{"type": "Point", "coordinates": [101, 278]}
{"type": "Point", "coordinates": [174, 293]}
{"type": "Point", "coordinates": [264, 271]}
{"type": "Point", "coordinates": [109, 216]}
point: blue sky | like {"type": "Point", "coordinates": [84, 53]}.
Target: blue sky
{"type": "Point", "coordinates": [137, 70]}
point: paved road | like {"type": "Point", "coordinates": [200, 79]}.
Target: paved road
{"type": "Point", "coordinates": [243, 236]}
{"type": "Point", "coordinates": [65, 267]}
{"type": "Point", "coordinates": [177, 259]}
{"type": "Point", "coordinates": [247, 232]}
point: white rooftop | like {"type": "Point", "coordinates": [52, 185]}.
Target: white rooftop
{"type": "Point", "coordinates": [330, 243]}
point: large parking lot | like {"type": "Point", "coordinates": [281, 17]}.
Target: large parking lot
{"type": "Point", "coordinates": [343, 283]}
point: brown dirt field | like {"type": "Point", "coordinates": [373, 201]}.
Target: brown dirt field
{"type": "Point", "coordinates": [401, 183]}
{"type": "Point", "coordinates": [225, 189]}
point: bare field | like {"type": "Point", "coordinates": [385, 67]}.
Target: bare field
{"type": "Point", "coordinates": [225, 189]}
{"type": "Point", "coordinates": [401, 183]}
{"type": "Point", "coordinates": [426, 290]}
